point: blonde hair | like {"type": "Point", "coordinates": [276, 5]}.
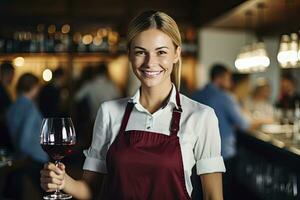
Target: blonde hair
{"type": "Point", "coordinates": [163, 22]}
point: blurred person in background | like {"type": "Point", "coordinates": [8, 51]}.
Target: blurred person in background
{"type": "Point", "coordinates": [24, 119]}
{"type": "Point", "coordinates": [81, 110]}
{"type": "Point", "coordinates": [6, 76]}
{"type": "Point", "coordinates": [216, 95]}
{"type": "Point", "coordinates": [241, 88]}
{"type": "Point", "coordinates": [259, 104]}
{"type": "Point", "coordinates": [50, 100]}
{"type": "Point", "coordinates": [241, 92]}
{"type": "Point", "coordinates": [85, 77]}
{"type": "Point", "coordinates": [24, 123]}
{"type": "Point", "coordinates": [288, 92]}
{"type": "Point", "coordinates": [100, 89]}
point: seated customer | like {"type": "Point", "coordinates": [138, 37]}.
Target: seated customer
{"type": "Point", "coordinates": [240, 94]}
{"type": "Point", "coordinates": [259, 104]}
{"type": "Point", "coordinates": [288, 92]}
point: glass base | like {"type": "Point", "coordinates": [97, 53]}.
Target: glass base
{"type": "Point", "coordinates": [57, 196]}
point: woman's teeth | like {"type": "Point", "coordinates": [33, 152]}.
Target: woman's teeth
{"type": "Point", "coordinates": [152, 73]}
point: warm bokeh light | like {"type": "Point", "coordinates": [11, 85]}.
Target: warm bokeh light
{"type": "Point", "coordinates": [87, 39]}
{"type": "Point", "coordinates": [97, 41]}
{"type": "Point", "coordinates": [51, 29]}
{"type": "Point", "coordinates": [113, 37]}
{"type": "Point", "coordinates": [102, 32]}
{"type": "Point", "coordinates": [19, 61]}
{"type": "Point", "coordinates": [65, 28]}
{"type": "Point", "coordinates": [47, 75]}
{"type": "Point", "coordinates": [288, 51]}
{"type": "Point", "coordinates": [253, 58]}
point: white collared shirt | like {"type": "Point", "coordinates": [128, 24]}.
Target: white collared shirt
{"type": "Point", "coordinates": [199, 135]}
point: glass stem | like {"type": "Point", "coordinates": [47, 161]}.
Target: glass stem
{"type": "Point", "coordinates": [57, 191]}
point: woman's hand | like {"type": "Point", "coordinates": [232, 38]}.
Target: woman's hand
{"type": "Point", "coordinates": [53, 177]}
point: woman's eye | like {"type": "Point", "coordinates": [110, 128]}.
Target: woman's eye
{"type": "Point", "coordinates": [139, 53]}
{"type": "Point", "coordinates": [161, 52]}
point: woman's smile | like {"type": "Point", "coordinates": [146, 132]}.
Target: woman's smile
{"type": "Point", "coordinates": [151, 73]}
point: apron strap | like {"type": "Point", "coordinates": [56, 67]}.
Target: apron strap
{"type": "Point", "coordinates": [178, 99]}
{"type": "Point", "coordinates": [126, 116]}
{"type": "Point", "coordinates": [175, 122]}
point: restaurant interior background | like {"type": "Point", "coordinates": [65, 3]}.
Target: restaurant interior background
{"type": "Point", "coordinates": [40, 36]}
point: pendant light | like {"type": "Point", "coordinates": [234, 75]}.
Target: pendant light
{"type": "Point", "coordinates": [253, 57]}
{"type": "Point", "coordinates": [243, 59]}
{"type": "Point", "coordinates": [289, 53]}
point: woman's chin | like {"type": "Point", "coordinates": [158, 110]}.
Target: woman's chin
{"type": "Point", "coordinates": [154, 83]}
{"type": "Point", "coordinates": [150, 84]}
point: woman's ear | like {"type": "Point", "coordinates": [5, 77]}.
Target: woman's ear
{"type": "Point", "coordinates": [177, 54]}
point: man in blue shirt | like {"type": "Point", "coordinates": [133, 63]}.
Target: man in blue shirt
{"type": "Point", "coordinates": [24, 120]}
{"type": "Point", "coordinates": [215, 94]}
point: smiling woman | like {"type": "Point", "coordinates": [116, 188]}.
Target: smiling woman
{"type": "Point", "coordinates": [153, 54]}
{"type": "Point", "coordinates": [147, 145]}
{"type": "Point", "coordinates": [165, 24]}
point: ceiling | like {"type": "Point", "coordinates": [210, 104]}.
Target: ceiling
{"type": "Point", "coordinates": [113, 12]}
{"type": "Point", "coordinates": [276, 16]}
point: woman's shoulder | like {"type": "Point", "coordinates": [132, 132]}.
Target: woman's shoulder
{"type": "Point", "coordinates": [194, 107]}
{"type": "Point", "coordinates": [115, 104]}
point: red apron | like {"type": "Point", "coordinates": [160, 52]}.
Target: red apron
{"type": "Point", "coordinates": [146, 165]}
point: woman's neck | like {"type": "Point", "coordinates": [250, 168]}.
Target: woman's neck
{"type": "Point", "coordinates": [152, 98]}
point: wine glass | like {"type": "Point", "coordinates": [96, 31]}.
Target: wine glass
{"type": "Point", "coordinates": [57, 139]}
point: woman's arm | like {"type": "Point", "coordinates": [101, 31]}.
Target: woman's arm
{"type": "Point", "coordinates": [212, 186]}
{"type": "Point", "coordinates": [88, 187]}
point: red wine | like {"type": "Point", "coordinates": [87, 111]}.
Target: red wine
{"type": "Point", "coordinates": [58, 151]}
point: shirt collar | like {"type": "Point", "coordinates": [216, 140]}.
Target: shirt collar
{"type": "Point", "coordinates": [172, 99]}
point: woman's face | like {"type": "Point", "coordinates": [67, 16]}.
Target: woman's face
{"type": "Point", "coordinates": [152, 55]}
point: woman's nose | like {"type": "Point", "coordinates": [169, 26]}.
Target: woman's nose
{"type": "Point", "coordinates": [151, 60]}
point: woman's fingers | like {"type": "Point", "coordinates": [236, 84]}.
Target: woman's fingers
{"type": "Point", "coordinates": [61, 166]}
{"type": "Point", "coordinates": [52, 177]}
{"type": "Point", "coordinates": [46, 180]}
{"type": "Point", "coordinates": [51, 174]}
{"type": "Point", "coordinates": [52, 167]}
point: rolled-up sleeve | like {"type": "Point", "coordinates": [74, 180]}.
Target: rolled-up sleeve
{"type": "Point", "coordinates": [208, 145]}
{"type": "Point", "coordinates": [96, 155]}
